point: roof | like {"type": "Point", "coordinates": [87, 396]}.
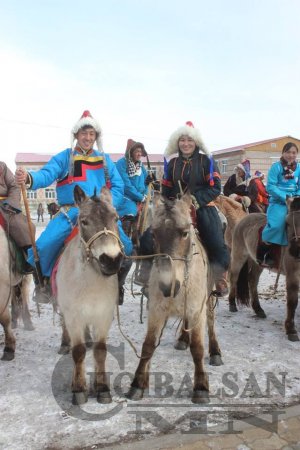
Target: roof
{"type": "Point", "coordinates": [252, 144]}
{"type": "Point", "coordinates": [38, 158]}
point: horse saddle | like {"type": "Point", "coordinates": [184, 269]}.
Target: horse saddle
{"type": "Point", "coordinates": [267, 255]}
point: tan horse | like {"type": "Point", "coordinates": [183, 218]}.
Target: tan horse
{"type": "Point", "coordinates": [244, 281]}
{"type": "Point", "coordinates": [233, 211]}
{"type": "Point", "coordinates": [9, 281]}
{"type": "Point", "coordinates": [87, 285]}
{"type": "Point", "coordinates": [180, 283]}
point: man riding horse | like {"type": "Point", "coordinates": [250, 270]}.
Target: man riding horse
{"type": "Point", "coordinates": [80, 165]}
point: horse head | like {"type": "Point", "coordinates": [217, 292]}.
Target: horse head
{"type": "Point", "coordinates": [98, 227]}
{"type": "Point", "coordinates": [172, 233]}
{"type": "Point", "coordinates": [293, 225]}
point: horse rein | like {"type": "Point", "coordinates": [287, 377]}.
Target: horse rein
{"type": "Point", "coordinates": [296, 237]}
{"type": "Point", "coordinates": [105, 232]}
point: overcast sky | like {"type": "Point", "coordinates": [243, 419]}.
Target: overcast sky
{"type": "Point", "coordinates": [144, 67]}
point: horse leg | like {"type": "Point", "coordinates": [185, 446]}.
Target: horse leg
{"type": "Point", "coordinates": [24, 292]}
{"type": "Point", "coordinates": [9, 341]}
{"type": "Point", "coordinates": [79, 387]}
{"type": "Point", "coordinates": [65, 344]}
{"type": "Point", "coordinates": [15, 308]}
{"type": "Point", "coordinates": [156, 323]}
{"type": "Point", "coordinates": [183, 341]}
{"type": "Point", "coordinates": [253, 277]}
{"type": "Point", "coordinates": [292, 288]}
{"type": "Point", "coordinates": [214, 349]}
{"type": "Point", "coordinates": [101, 386]}
{"type": "Point", "coordinates": [201, 387]}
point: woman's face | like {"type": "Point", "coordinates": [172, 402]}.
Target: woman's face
{"type": "Point", "coordinates": [136, 154]}
{"type": "Point", "coordinates": [291, 155]}
{"type": "Point", "coordinates": [186, 145]}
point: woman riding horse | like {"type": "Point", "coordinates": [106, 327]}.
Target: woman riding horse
{"type": "Point", "coordinates": [283, 182]}
{"type": "Point", "coordinates": [195, 170]}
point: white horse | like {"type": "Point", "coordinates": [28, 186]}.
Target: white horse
{"type": "Point", "coordinates": [87, 287]}
{"type": "Point", "coordinates": [180, 284]}
{"type": "Point", "coordinates": [10, 282]}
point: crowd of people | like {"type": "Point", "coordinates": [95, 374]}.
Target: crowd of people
{"type": "Point", "coordinates": [191, 168]}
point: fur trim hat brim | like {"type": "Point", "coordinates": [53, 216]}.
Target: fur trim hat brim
{"type": "Point", "coordinates": [240, 166]}
{"type": "Point", "coordinates": [185, 130]}
{"type": "Point", "coordinates": [87, 120]}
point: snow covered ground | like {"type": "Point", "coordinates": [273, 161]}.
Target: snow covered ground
{"type": "Point", "coordinates": [260, 371]}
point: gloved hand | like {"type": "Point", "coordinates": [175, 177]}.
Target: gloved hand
{"type": "Point", "coordinates": [150, 178]}
{"type": "Point", "coordinates": [144, 199]}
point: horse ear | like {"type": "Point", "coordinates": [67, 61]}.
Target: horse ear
{"type": "Point", "coordinates": [79, 195]}
{"type": "Point", "coordinates": [105, 194]}
{"type": "Point", "coordinates": [187, 198]}
{"type": "Point", "coordinates": [156, 199]}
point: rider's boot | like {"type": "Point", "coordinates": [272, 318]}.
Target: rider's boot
{"type": "Point", "coordinates": [41, 293]}
{"type": "Point", "coordinates": [122, 274]}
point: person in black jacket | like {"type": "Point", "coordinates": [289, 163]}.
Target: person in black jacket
{"type": "Point", "coordinates": [195, 170]}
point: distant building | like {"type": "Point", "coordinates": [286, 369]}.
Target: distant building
{"type": "Point", "coordinates": [35, 161]}
{"type": "Point", "coordinates": [261, 155]}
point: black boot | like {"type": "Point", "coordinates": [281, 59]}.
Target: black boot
{"type": "Point", "coordinates": [122, 274]}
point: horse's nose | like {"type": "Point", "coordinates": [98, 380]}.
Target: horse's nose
{"type": "Point", "coordinates": [110, 265]}
{"type": "Point", "coordinates": [166, 288]}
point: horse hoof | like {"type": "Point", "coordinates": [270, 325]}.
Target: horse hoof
{"type": "Point", "coordinates": [261, 314]}
{"type": "Point", "coordinates": [64, 350]}
{"type": "Point", "coordinates": [181, 345]}
{"type": "Point", "coordinates": [200, 397]}
{"type": "Point", "coordinates": [8, 355]}
{"type": "Point", "coordinates": [233, 308]}
{"type": "Point", "coordinates": [79, 398]}
{"type": "Point", "coordinates": [293, 337]}
{"type": "Point", "coordinates": [215, 360]}
{"type": "Point", "coordinates": [104, 397]}
{"type": "Point", "coordinates": [135, 393]}
{"type": "Point", "coordinates": [28, 327]}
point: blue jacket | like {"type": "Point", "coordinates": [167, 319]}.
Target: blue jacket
{"type": "Point", "coordinates": [278, 187]}
{"type": "Point", "coordinates": [87, 173]}
{"type": "Point", "coordinates": [134, 188]}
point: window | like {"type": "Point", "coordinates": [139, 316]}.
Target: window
{"type": "Point", "coordinates": [31, 194]}
{"type": "Point", "coordinates": [273, 145]}
{"type": "Point", "coordinates": [50, 193]}
{"type": "Point", "coordinates": [224, 164]}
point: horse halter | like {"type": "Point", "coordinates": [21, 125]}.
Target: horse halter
{"type": "Point", "coordinates": [105, 232]}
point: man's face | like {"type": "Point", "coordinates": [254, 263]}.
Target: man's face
{"type": "Point", "coordinates": [86, 138]}
{"type": "Point", "coordinates": [136, 154]}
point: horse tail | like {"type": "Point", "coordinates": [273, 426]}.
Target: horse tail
{"type": "Point", "coordinates": [242, 286]}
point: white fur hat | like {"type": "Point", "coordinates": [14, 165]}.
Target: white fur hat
{"type": "Point", "coordinates": [87, 119]}
{"type": "Point", "coordinates": [240, 166]}
{"type": "Point", "coordinates": [187, 130]}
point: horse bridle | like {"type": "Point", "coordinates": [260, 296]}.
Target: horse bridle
{"type": "Point", "coordinates": [104, 232]}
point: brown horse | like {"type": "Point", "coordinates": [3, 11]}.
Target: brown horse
{"type": "Point", "coordinates": [244, 278]}
{"type": "Point", "coordinates": [53, 208]}
{"type": "Point", "coordinates": [87, 287]}
{"type": "Point", "coordinates": [180, 283]}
